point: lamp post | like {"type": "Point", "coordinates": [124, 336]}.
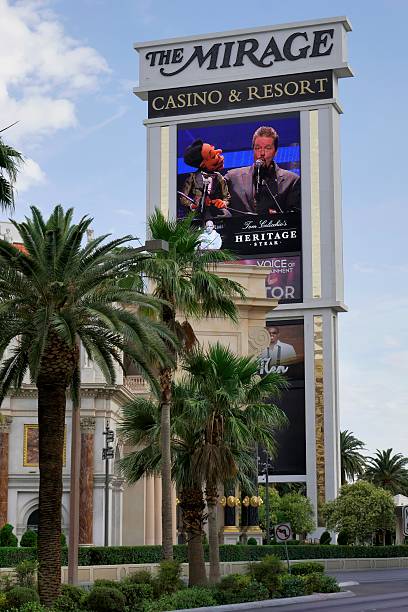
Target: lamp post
{"type": "Point", "coordinates": [107, 453]}
{"type": "Point", "coordinates": [265, 465]}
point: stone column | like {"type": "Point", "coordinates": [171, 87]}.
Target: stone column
{"type": "Point", "coordinates": [174, 512]}
{"type": "Point", "coordinates": [149, 510]}
{"type": "Point", "coordinates": [86, 481]}
{"type": "Point", "coordinates": [231, 531]}
{"type": "Point", "coordinates": [157, 510]}
{"type": "Point", "coordinates": [5, 422]}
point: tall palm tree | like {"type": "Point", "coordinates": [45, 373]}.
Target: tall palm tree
{"type": "Point", "coordinates": [233, 399]}
{"type": "Point", "coordinates": [183, 277]}
{"type": "Point", "coordinates": [140, 429]}
{"type": "Point", "coordinates": [54, 294]}
{"type": "Point", "coordinates": [388, 471]}
{"type": "Point", "coordinates": [10, 161]}
{"type": "Point", "coordinates": [352, 461]}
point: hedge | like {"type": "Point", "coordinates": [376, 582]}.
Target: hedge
{"type": "Point", "coordinates": [116, 555]}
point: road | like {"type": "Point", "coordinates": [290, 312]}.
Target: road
{"type": "Point", "coordinates": [385, 589]}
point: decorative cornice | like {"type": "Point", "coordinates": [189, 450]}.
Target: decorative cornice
{"type": "Point", "coordinates": [117, 392]}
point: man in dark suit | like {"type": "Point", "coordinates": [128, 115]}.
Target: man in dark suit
{"type": "Point", "coordinates": [263, 188]}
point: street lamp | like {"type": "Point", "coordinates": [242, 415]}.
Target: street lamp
{"type": "Point", "coordinates": [107, 453]}
{"type": "Point", "coordinates": [264, 469]}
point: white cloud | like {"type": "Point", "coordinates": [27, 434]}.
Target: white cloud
{"type": "Point", "coordinates": [29, 175]}
{"type": "Point", "coordinates": [42, 72]}
{"type": "Point", "coordinates": [125, 212]}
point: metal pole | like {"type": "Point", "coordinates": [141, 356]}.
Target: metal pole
{"type": "Point", "coordinates": [107, 492]}
{"type": "Point", "coordinates": [287, 556]}
{"type": "Point", "coordinates": [267, 499]}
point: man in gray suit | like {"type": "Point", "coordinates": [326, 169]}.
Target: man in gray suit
{"type": "Point", "coordinates": [263, 188]}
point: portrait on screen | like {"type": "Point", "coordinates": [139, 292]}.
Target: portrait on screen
{"type": "Point", "coordinates": [245, 178]}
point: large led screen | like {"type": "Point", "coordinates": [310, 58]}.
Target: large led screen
{"type": "Point", "coordinates": [242, 181]}
{"type": "Point", "coordinates": [284, 353]}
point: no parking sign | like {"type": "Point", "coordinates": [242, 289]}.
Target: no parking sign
{"type": "Point", "coordinates": [283, 532]}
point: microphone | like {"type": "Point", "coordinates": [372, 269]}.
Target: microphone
{"type": "Point", "coordinates": [259, 163]}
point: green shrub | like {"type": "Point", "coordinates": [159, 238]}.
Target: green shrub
{"type": "Point", "coordinates": [325, 538]}
{"type": "Point", "coordinates": [140, 577]}
{"type": "Point", "coordinates": [343, 539]}
{"type": "Point", "coordinates": [228, 589]}
{"type": "Point", "coordinates": [291, 586]}
{"type": "Point", "coordinates": [307, 567]}
{"type": "Point", "coordinates": [19, 595]}
{"type": "Point", "coordinates": [63, 540]}
{"type": "Point", "coordinates": [168, 578]}
{"type": "Point", "coordinates": [29, 539]}
{"type": "Point", "coordinates": [135, 593]}
{"type": "Point", "coordinates": [3, 600]}
{"type": "Point", "coordinates": [10, 556]}
{"type": "Point", "coordinates": [238, 588]}
{"type": "Point", "coordinates": [267, 572]}
{"type": "Point", "coordinates": [251, 542]}
{"type": "Point", "coordinates": [26, 573]}
{"type": "Point", "coordinates": [31, 606]}
{"type": "Point", "coordinates": [7, 537]}
{"type": "Point", "coordinates": [70, 599]}
{"type": "Point", "coordinates": [104, 582]}
{"type": "Point", "coordinates": [320, 583]}
{"type": "Point", "coordinates": [104, 599]}
{"type": "Point", "coordinates": [193, 597]}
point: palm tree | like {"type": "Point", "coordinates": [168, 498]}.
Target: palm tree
{"type": "Point", "coordinates": [140, 429]}
{"type": "Point", "coordinates": [352, 461]}
{"type": "Point", "coordinates": [10, 160]}
{"type": "Point", "coordinates": [232, 397]}
{"type": "Point", "coordinates": [53, 295]}
{"type": "Point", "coordinates": [184, 279]}
{"type": "Point", "coordinates": [388, 471]}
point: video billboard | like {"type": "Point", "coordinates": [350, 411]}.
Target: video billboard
{"type": "Point", "coordinates": [284, 354]}
{"type": "Point", "coordinates": [242, 180]}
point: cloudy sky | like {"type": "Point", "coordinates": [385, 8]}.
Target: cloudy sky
{"type": "Point", "coordinates": [67, 69]}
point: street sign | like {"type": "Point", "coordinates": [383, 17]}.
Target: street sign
{"type": "Point", "coordinates": [405, 520]}
{"type": "Point", "coordinates": [283, 532]}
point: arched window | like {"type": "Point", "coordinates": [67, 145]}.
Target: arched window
{"type": "Point", "coordinates": [32, 521]}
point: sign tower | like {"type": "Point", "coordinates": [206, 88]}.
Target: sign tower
{"type": "Point", "coordinates": [268, 97]}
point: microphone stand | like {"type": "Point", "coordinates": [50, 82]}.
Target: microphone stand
{"type": "Point", "coordinates": [274, 198]}
{"type": "Point", "coordinates": [258, 179]}
{"type": "Point", "coordinates": [206, 182]}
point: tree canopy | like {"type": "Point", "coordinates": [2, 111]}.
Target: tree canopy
{"type": "Point", "coordinates": [352, 461]}
{"type": "Point", "coordinates": [389, 471]}
{"type": "Point", "coordinates": [360, 510]}
{"type": "Point", "coordinates": [10, 161]}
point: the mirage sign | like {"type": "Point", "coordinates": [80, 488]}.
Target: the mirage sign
{"type": "Point", "coordinates": [236, 55]}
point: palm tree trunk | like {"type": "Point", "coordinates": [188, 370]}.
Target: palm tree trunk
{"type": "Point", "coordinates": [213, 541]}
{"type": "Point", "coordinates": [196, 563]}
{"type": "Point", "coordinates": [192, 506]}
{"type": "Point", "coordinates": [167, 517]}
{"type": "Point", "coordinates": [51, 423]}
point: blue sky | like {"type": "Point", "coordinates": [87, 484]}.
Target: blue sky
{"type": "Point", "coordinates": [67, 73]}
